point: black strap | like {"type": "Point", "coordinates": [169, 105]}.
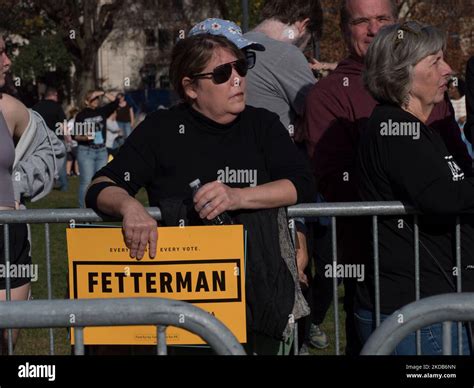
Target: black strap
{"type": "Point", "coordinates": [94, 191]}
{"type": "Point", "coordinates": [450, 282]}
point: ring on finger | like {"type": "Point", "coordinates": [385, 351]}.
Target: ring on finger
{"type": "Point", "coordinates": [206, 205]}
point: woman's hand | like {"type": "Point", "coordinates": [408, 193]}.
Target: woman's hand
{"type": "Point", "coordinates": [139, 230]}
{"type": "Point", "coordinates": [215, 198]}
{"type": "Point", "coordinates": [302, 258]}
{"type": "Point", "coordinates": [318, 66]}
{"type": "Point", "coordinates": [110, 96]}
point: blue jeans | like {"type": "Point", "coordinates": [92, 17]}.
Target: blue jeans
{"type": "Point", "coordinates": [468, 145]}
{"type": "Point", "coordinates": [126, 128]}
{"type": "Point", "coordinates": [431, 336]}
{"type": "Point", "coordinates": [90, 161]}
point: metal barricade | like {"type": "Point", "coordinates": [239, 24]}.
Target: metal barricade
{"type": "Point", "coordinates": [49, 216]}
{"type": "Point", "coordinates": [333, 210]}
{"type": "Point", "coordinates": [120, 312]}
{"type": "Point", "coordinates": [374, 209]}
{"type": "Point", "coordinates": [435, 309]}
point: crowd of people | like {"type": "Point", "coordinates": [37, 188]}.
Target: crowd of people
{"type": "Point", "coordinates": [380, 126]}
{"type": "Point", "coordinates": [91, 134]}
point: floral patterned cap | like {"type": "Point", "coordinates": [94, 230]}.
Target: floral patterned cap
{"type": "Point", "coordinates": [226, 28]}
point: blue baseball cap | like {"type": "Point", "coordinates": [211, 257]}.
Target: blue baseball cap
{"type": "Point", "coordinates": [228, 29]}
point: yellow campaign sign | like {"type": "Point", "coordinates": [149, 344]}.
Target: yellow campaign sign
{"type": "Point", "coordinates": [202, 265]}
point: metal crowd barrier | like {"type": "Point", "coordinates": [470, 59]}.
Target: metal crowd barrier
{"type": "Point", "coordinates": [120, 312]}
{"type": "Point", "coordinates": [333, 210]}
{"type": "Point", "coordinates": [375, 209]}
{"type": "Point", "coordinates": [46, 217]}
{"type": "Point", "coordinates": [434, 309]}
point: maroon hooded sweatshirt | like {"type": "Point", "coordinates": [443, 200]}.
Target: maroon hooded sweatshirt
{"type": "Point", "coordinates": [337, 109]}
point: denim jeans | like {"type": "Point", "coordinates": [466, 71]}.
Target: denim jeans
{"type": "Point", "coordinates": [431, 336]}
{"type": "Point", "coordinates": [468, 145]}
{"type": "Point", "coordinates": [126, 128]}
{"type": "Point", "coordinates": [90, 161]}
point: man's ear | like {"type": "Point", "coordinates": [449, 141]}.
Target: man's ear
{"type": "Point", "coordinates": [301, 25]}
{"type": "Point", "coordinates": [189, 88]}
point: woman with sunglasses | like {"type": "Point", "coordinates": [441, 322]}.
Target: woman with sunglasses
{"type": "Point", "coordinates": [212, 135]}
{"type": "Point", "coordinates": [90, 132]}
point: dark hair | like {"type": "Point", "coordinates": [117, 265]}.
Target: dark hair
{"type": "Point", "coordinates": [73, 112]}
{"type": "Point", "coordinates": [9, 86]}
{"type": "Point", "coordinates": [50, 91]}
{"type": "Point", "coordinates": [191, 55]}
{"type": "Point", "coordinates": [345, 17]}
{"type": "Point", "coordinates": [291, 11]}
{"type": "Point", "coordinates": [3, 89]}
{"type": "Point", "coordinates": [461, 85]}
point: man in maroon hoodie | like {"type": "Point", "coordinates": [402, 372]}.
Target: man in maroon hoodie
{"type": "Point", "coordinates": [337, 110]}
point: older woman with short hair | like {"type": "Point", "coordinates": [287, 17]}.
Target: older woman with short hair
{"type": "Point", "coordinates": [402, 159]}
{"type": "Point", "coordinates": [213, 130]}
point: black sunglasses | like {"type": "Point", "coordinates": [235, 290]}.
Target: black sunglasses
{"type": "Point", "coordinates": [223, 72]}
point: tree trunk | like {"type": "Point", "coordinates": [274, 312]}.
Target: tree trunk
{"type": "Point", "coordinates": [84, 80]}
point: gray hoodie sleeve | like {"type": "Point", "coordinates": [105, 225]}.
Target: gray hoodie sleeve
{"type": "Point", "coordinates": [38, 157]}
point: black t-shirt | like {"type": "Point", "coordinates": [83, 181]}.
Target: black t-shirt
{"type": "Point", "coordinates": [123, 114]}
{"type": "Point", "coordinates": [94, 120]}
{"type": "Point", "coordinates": [172, 148]}
{"type": "Point", "coordinates": [52, 113]}
{"type": "Point", "coordinates": [415, 168]}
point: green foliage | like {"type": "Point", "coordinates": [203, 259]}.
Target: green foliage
{"type": "Point", "coordinates": [42, 54]}
{"type": "Point", "coordinates": [234, 8]}
{"type": "Point", "coordinates": [33, 25]}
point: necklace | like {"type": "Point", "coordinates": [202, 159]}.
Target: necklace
{"type": "Point", "coordinates": [418, 116]}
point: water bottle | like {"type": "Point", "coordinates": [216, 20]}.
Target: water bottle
{"type": "Point", "coordinates": [221, 219]}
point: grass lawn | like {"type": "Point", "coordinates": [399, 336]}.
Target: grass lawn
{"type": "Point", "coordinates": [36, 341]}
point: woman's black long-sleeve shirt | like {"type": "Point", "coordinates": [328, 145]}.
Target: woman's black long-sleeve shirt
{"type": "Point", "coordinates": [414, 166]}
{"type": "Point", "coordinates": [172, 148]}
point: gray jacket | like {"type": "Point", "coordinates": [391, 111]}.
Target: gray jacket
{"type": "Point", "coordinates": [38, 156]}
